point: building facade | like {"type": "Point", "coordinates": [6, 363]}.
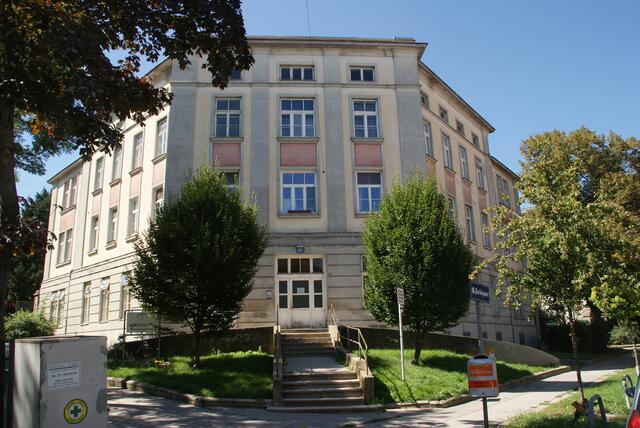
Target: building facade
{"type": "Point", "coordinates": [315, 131]}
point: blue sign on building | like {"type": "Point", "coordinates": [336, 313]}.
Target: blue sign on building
{"type": "Point", "coordinates": [479, 292]}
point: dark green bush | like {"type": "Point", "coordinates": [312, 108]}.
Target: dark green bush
{"type": "Point", "coordinates": [592, 338]}
{"type": "Point", "coordinates": [28, 324]}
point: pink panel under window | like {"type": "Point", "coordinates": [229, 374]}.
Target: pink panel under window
{"type": "Point", "coordinates": [158, 173]}
{"type": "Point", "coordinates": [134, 184]}
{"type": "Point", "coordinates": [450, 183]}
{"type": "Point", "coordinates": [297, 154]}
{"type": "Point", "coordinates": [114, 195]}
{"type": "Point", "coordinates": [368, 154]}
{"type": "Point", "coordinates": [67, 220]}
{"type": "Point", "coordinates": [466, 190]}
{"type": "Point", "coordinates": [95, 205]}
{"type": "Point", "coordinates": [482, 200]}
{"type": "Point", "coordinates": [226, 154]}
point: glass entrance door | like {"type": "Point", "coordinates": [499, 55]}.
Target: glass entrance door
{"type": "Point", "coordinates": [301, 296]}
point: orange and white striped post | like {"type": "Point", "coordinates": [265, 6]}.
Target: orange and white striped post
{"type": "Point", "coordinates": [483, 380]}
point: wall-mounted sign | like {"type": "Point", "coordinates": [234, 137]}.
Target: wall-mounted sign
{"type": "Point", "coordinates": [138, 322]}
{"type": "Point", "coordinates": [479, 292]}
{"type": "Point", "coordinates": [63, 375]}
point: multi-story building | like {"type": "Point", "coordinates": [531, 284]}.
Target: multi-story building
{"type": "Point", "coordinates": [316, 131]}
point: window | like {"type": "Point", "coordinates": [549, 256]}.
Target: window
{"type": "Point", "coordinates": [133, 217]}
{"type": "Point", "coordinates": [486, 237]}
{"type": "Point", "coordinates": [158, 198]}
{"type": "Point", "coordinates": [227, 117]}
{"type": "Point", "coordinates": [93, 233]}
{"type": "Point", "coordinates": [521, 338]}
{"type": "Point", "coordinates": [161, 137]}
{"type": "Point", "coordinates": [136, 161]}
{"type": "Point", "coordinates": [460, 127]}
{"type": "Point", "coordinates": [125, 295]}
{"type": "Point", "coordinates": [446, 148]}
{"type": "Point", "coordinates": [300, 265]}
{"type": "Point", "coordinates": [365, 118]}
{"type": "Point", "coordinates": [444, 114]}
{"type": "Point", "coordinates": [69, 192]}
{"type": "Point", "coordinates": [112, 233]}
{"type": "Point", "coordinates": [104, 300]}
{"type": "Point", "coordinates": [503, 191]}
{"type": "Point", "coordinates": [424, 99]}
{"type": "Point", "coordinates": [298, 192]}
{"type": "Point", "coordinates": [116, 172]}
{"type": "Point", "coordinates": [362, 74]}
{"type": "Point", "coordinates": [56, 306]}
{"type": "Point", "coordinates": [471, 228]}
{"type": "Point", "coordinates": [65, 240]}
{"type": "Point", "coordinates": [499, 335]}
{"type": "Point", "coordinates": [484, 335]}
{"type": "Point", "coordinates": [297, 118]}
{"type": "Point", "coordinates": [475, 140]}
{"type": "Point", "coordinates": [428, 142]}
{"type": "Point", "coordinates": [466, 333]}
{"type": "Point", "coordinates": [233, 180]}
{"type": "Point", "coordinates": [369, 191]}
{"type": "Point", "coordinates": [86, 303]}
{"type": "Point", "coordinates": [464, 164]}
{"type": "Point", "coordinates": [236, 74]}
{"type": "Point", "coordinates": [296, 72]}
{"type": "Point", "coordinates": [453, 209]}
{"type": "Point", "coordinates": [479, 174]}
{"type": "Point", "coordinates": [98, 174]}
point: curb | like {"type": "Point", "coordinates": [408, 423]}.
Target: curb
{"type": "Point", "coordinates": [195, 400]}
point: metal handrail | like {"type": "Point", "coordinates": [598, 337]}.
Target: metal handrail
{"type": "Point", "coordinates": [359, 337]}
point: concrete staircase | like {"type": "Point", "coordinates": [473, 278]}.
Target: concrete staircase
{"type": "Point", "coordinates": [312, 379]}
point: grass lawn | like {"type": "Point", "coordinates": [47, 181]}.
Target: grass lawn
{"type": "Point", "coordinates": [441, 374]}
{"type": "Point", "coordinates": [224, 375]}
{"type": "Point", "coordinates": [560, 414]}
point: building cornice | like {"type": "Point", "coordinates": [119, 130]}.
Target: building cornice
{"type": "Point", "coordinates": [502, 166]}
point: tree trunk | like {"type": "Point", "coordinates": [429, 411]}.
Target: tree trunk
{"type": "Point", "coordinates": [416, 352]}
{"type": "Point", "coordinates": [196, 348]}
{"type": "Point", "coordinates": [9, 218]}
{"type": "Point", "coordinates": [574, 345]}
{"type": "Point", "coordinates": [635, 357]}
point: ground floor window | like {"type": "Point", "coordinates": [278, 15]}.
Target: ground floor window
{"type": "Point", "coordinates": [104, 300]}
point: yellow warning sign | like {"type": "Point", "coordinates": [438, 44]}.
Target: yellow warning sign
{"type": "Point", "coordinates": [75, 411]}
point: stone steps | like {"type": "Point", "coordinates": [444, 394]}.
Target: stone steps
{"type": "Point", "coordinates": [323, 401]}
{"type": "Point", "coordinates": [320, 383]}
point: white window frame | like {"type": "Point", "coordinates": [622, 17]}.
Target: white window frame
{"type": "Point", "coordinates": [290, 72]}
{"type": "Point", "coordinates": [453, 208]}
{"type": "Point", "coordinates": [227, 114]}
{"type": "Point", "coordinates": [464, 162]}
{"type": "Point", "coordinates": [469, 223]}
{"type": "Point", "coordinates": [103, 314]}
{"type": "Point", "coordinates": [291, 115]}
{"type": "Point", "coordinates": [93, 232]}
{"type": "Point", "coordinates": [361, 69]}
{"type": "Point", "coordinates": [98, 175]}
{"type": "Point", "coordinates": [116, 171]}
{"type": "Point", "coordinates": [475, 140]}
{"type": "Point", "coordinates": [368, 187]}
{"type": "Point", "coordinates": [69, 192]}
{"type": "Point", "coordinates": [486, 236]}
{"type": "Point", "coordinates": [428, 137]}
{"type": "Point", "coordinates": [137, 151]}
{"type": "Point", "coordinates": [125, 296]}
{"type": "Point", "coordinates": [460, 127]}
{"type": "Point", "coordinates": [65, 244]}
{"type": "Point", "coordinates": [443, 114]}
{"type": "Point", "coordinates": [86, 303]}
{"type": "Point", "coordinates": [365, 115]}
{"type": "Point", "coordinates": [446, 151]}
{"type": "Point", "coordinates": [480, 173]}
{"type": "Point", "coordinates": [133, 217]}
{"type": "Point", "coordinates": [235, 186]}
{"type": "Point", "coordinates": [305, 189]}
{"type": "Point", "coordinates": [162, 133]}
{"type": "Point", "coordinates": [158, 202]}
{"type": "Point", "coordinates": [112, 230]}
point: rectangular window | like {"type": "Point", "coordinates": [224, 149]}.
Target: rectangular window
{"type": "Point", "coordinates": [498, 335]}
{"type": "Point", "coordinates": [228, 117]}
{"type": "Point", "coordinates": [125, 296]}
{"type": "Point", "coordinates": [460, 127]}
{"type": "Point", "coordinates": [365, 118]}
{"type": "Point", "coordinates": [236, 74]}
{"type": "Point", "coordinates": [69, 192]}
{"type": "Point", "coordinates": [362, 74]}
{"type": "Point", "coordinates": [158, 198]}
{"type": "Point", "coordinates": [233, 180]}
{"type": "Point", "coordinates": [424, 100]}
{"type": "Point", "coordinates": [369, 191]}
{"type": "Point", "coordinates": [471, 228]}
{"type": "Point", "coordinates": [104, 300]}
{"type": "Point", "coordinates": [507, 193]}
{"type": "Point", "coordinates": [161, 137]}
{"type": "Point", "coordinates": [86, 303]}
{"type": "Point", "coordinates": [133, 217]}
{"type": "Point", "coordinates": [136, 160]}
{"type": "Point", "coordinates": [297, 118]}
{"type": "Point", "coordinates": [98, 174]}
{"type": "Point", "coordinates": [503, 191]}
{"type": "Point", "coordinates": [428, 141]}
{"type": "Point", "coordinates": [116, 171]}
{"type": "Point", "coordinates": [93, 233]}
{"type": "Point", "coordinates": [298, 192]}
{"type": "Point", "coordinates": [475, 140]}
{"type": "Point", "coordinates": [282, 295]}
{"type": "Point", "coordinates": [464, 163]}
{"type": "Point", "coordinates": [112, 232]}
{"type": "Point", "coordinates": [479, 174]}
{"type": "Point", "coordinates": [446, 148]}
{"type": "Point", "coordinates": [288, 72]}
{"type": "Point", "coordinates": [453, 209]}
{"type": "Point", "coordinates": [486, 237]}
{"type": "Point", "coordinates": [444, 114]}
{"type": "Point", "coordinates": [65, 240]}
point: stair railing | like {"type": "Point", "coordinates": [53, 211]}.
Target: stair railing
{"type": "Point", "coordinates": [353, 338]}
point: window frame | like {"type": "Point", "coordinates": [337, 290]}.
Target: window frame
{"type": "Point", "coordinates": [453, 208]}
{"type": "Point", "coordinates": [369, 187]}
{"type": "Point", "coordinates": [137, 151]}
{"type": "Point", "coordinates": [228, 113]}
{"type": "Point", "coordinates": [85, 311]}
{"type": "Point", "coordinates": [65, 245]}
{"type": "Point", "coordinates": [443, 114]}
{"type": "Point", "coordinates": [292, 186]}
{"type": "Point", "coordinates": [162, 138]}
{"type": "Point", "coordinates": [125, 296]}
{"type": "Point", "coordinates": [235, 187]}
{"type": "Point", "coordinates": [486, 235]}
{"type": "Point", "coordinates": [112, 230]}
{"type": "Point", "coordinates": [103, 310]}
{"type": "Point", "coordinates": [302, 68]}
{"type": "Point", "coordinates": [447, 151]}
{"type": "Point", "coordinates": [292, 113]}
{"type": "Point", "coordinates": [460, 127]}
{"type": "Point", "coordinates": [236, 74]}
{"type": "Point", "coordinates": [365, 114]}
{"type": "Point", "coordinates": [427, 133]}
{"type": "Point", "coordinates": [475, 140]}
{"type": "Point", "coordinates": [94, 230]}
{"type": "Point", "coordinates": [133, 217]}
{"type": "Point", "coordinates": [116, 164]}
{"type": "Point", "coordinates": [464, 162]}
{"type": "Point", "coordinates": [480, 174]}
{"type": "Point", "coordinates": [424, 100]}
{"type": "Point", "coordinates": [469, 223]}
{"type": "Point", "coordinates": [361, 69]}
{"type": "Point", "coordinates": [98, 174]}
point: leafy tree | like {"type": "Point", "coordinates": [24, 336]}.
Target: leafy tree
{"type": "Point", "coordinates": [199, 256]}
{"type": "Point", "coordinates": [29, 324]}
{"type": "Point", "coordinates": [573, 246]}
{"type": "Point", "coordinates": [625, 332]}
{"type": "Point", "coordinates": [56, 77]}
{"type": "Point", "coordinates": [413, 243]}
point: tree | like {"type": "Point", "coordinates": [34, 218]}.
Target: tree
{"type": "Point", "coordinates": [572, 246]}
{"type": "Point", "coordinates": [29, 324]}
{"type": "Point", "coordinates": [199, 256]}
{"type": "Point", "coordinates": [625, 332]}
{"type": "Point", "coordinates": [413, 243]}
{"type": "Point", "coordinates": [27, 269]}
{"type": "Point", "coordinates": [56, 75]}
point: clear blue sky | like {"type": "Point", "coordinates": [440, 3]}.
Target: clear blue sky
{"type": "Point", "coordinates": [526, 66]}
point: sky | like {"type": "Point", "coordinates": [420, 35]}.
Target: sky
{"type": "Point", "coordinates": [525, 66]}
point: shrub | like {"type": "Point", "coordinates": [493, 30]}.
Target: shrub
{"type": "Point", "coordinates": [28, 324]}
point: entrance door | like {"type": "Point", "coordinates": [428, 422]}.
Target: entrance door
{"type": "Point", "coordinates": [301, 301]}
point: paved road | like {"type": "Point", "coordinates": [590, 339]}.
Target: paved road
{"type": "Point", "coordinates": [135, 409]}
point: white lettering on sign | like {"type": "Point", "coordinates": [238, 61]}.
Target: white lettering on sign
{"type": "Point", "coordinates": [63, 375]}
{"type": "Point", "coordinates": [400, 295]}
{"type": "Point", "coordinates": [480, 292]}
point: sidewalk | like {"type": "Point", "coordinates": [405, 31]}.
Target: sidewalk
{"type": "Point", "coordinates": [134, 409]}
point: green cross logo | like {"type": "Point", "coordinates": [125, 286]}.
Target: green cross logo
{"type": "Point", "coordinates": [75, 411]}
